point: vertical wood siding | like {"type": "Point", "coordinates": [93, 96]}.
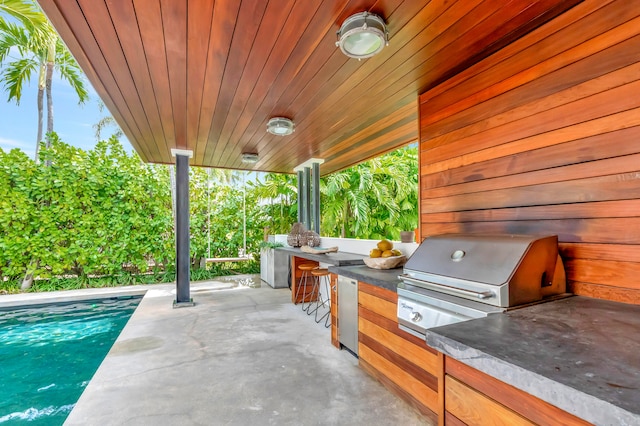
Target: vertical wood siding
{"type": "Point", "coordinates": [544, 137]}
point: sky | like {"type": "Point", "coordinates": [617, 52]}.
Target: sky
{"type": "Point", "coordinates": [73, 123]}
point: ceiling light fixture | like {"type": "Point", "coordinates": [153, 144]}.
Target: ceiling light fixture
{"type": "Point", "coordinates": [362, 35]}
{"type": "Point", "coordinates": [280, 126]}
{"type": "Point", "coordinates": [250, 157]}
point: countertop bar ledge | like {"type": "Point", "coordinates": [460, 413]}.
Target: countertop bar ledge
{"type": "Point", "coordinates": [579, 354]}
{"type": "Point", "coordinates": [335, 259]}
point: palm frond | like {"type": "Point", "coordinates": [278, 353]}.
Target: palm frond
{"type": "Point", "coordinates": [26, 12]}
{"type": "Point", "coordinates": [15, 75]}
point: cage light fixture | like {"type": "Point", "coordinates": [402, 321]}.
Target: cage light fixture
{"type": "Point", "coordinates": [362, 35]}
{"type": "Point", "coordinates": [280, 126]}
{"type": "Point", "coordinates": [250, 157]}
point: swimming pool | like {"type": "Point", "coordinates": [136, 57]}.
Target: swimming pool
{"type": "Point", "coordinates": [49, 353]}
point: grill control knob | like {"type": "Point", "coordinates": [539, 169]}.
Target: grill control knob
{"type": "Point", "coordinates": [415, 316]}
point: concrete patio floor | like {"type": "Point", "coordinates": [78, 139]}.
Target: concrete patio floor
{"type": "Point", "coordinates": [241, 356]}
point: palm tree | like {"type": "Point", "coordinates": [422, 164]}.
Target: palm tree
{"type": "Point", "coordinates": [279, 191]}
{"type": "Point", "coordinates": [40, 51]}
{"type": "Point", "coordinates": [374, 199]}
{"type": "Point", "coordinates": [104, 122]}
{"type": "Point", "coordinates": [39, 48]}
{"type": "Point", "coordinates": [26, 12]}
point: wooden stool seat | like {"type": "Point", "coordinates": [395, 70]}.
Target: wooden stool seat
{"type": "Point", "coordinates": [320, 272]}
{"type": "Point", "coordinates": [307, 266]}
{"type": "Point", "coordinates": [307, 296]}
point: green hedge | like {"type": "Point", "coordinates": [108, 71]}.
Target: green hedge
{"type": "Point", "coordinates": [105, 213]}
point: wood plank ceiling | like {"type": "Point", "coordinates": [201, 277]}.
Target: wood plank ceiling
{"type": "Point", "coordinates": [207, 75]}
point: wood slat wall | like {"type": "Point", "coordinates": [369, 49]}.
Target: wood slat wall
{"type": "Point", "coordinates": [401, 361]}
{"type": "Point", "coordinates": [544, 137]}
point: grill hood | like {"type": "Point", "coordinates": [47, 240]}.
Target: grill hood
{"type": "Point", "coordinates": [502, 270]}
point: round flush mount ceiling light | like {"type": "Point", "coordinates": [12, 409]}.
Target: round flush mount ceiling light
{"type": "Point", "coordinates": [280, 126]}
{"type": "Point", "coordinates": [362, 35]}
{"type": "Point", "coordinates": [250, 157]}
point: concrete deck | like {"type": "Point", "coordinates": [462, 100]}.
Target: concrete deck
{"type": "Point", "coordinates": [241, 356]}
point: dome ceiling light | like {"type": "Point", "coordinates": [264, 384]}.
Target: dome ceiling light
{"type": "Point", "coordinates": [250, 157]}
{"type": "Point", "coordinates": [280, 126]}
{"type": "Point", "coordinates": [362, 35]}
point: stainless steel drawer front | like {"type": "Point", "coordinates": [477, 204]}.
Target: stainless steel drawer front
{"type": "Point", "coordinates": [348, 313]}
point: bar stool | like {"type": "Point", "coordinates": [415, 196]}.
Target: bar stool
{"type": "Point", "coordinates": [306, 269]}
{"type": "Point", "coordinates": [321, 276]}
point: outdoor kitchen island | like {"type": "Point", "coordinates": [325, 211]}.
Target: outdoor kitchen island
{"type": "Point", "coordinates": [558, 362]}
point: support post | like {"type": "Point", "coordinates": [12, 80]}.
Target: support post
{"type": "Point", "coordinates": [183, 262]}
{"type": "Point", "coordinates": [307, 197]}
{"type": "Point", "coordinates": [300, 197]}
{"type": "Point", "coordinates": [316, 198]}
{"type": "Point", "coordinates": [305, 208]}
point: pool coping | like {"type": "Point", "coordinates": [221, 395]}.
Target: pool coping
{"type": "Point", "coordinates": [62, 296]}
{"type": "Point", "coordinates": [45, 298]}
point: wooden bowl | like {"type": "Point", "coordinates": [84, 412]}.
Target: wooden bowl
{"type": "Point", "coordinates": [385, 262]}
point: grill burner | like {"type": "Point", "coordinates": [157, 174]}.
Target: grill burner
{"type": "Point", "coordinates": [458, 277]}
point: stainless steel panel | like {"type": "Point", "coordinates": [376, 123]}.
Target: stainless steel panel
{"type": "Point", "coordinates": [348, 313]}
{"type": "Point", "coordinates": [420, 309]}
{"type": "Point", "coordinates": [488, 259]}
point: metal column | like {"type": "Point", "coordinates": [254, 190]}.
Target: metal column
{"type": "Point", "coordinates": [308, 209]}
{"type": "Point", "coordinates": [316, 198]}
{"type": "Point", "coordinates": [307, 197]}
{"type": "Point", "coordinates": [183, 262]}
{"type": "Point", "coordinates": [300, 197]}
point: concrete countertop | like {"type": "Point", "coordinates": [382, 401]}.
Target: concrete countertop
{"type": "Point", "coordinates": [387, 278]}
{"type": "Point", "coordinates": [579, 354]}
{"type": "Point", "coordinates": [335, 259]}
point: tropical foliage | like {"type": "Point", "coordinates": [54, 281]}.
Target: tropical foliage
{"type": "Point", "coordinates": [375, 199]}
{"type": "Point", "coordinates": [104, 215]}
{"type": "Point", "coordinates": [25, 12]}
{"type": "Point", "coordinates": [88, 213]}
{"type": "Point", "coordinates": [278, 195]}
{"type": "Point", "coordinates": [31, 47]}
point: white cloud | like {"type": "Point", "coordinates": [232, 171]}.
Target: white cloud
{"type": "Point", "coordinates": [9, 144]}
{"type": "Point", "coordinates": [12, 143]}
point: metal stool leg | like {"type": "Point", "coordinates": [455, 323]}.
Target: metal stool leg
{"type": "Point", "coordinates": [302, 282]}
{"type": "Point", "coordinates": [315, 291]}
{"type": "Point", "coordinates": [321, 301]}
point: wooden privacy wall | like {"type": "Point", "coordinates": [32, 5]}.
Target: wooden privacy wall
{"type": "Point", "coordinates": [544, 137]}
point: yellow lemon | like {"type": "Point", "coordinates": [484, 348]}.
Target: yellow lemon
{"type": "Point", "coordinates": [385, 245]}
{"type": "Point", "coordinates": [375, 253]}
{"type": "Point", "coordinates": [387, 253]}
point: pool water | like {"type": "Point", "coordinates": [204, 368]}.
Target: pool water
{"type": "Point", "coordinates": [49, 353]}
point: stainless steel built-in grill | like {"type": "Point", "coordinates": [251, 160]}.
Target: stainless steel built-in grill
{"type": "Point", "coordinates": [457, 277]}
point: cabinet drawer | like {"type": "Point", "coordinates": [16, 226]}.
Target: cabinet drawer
{"type": "Point", "coordinates": [474, 408]}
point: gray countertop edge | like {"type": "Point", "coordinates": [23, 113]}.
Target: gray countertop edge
{"type": "Point", "coordinates": [337, 259]}
{"type": "Point", "coordinates": [574, 401]}
{"type": "Point", "coordinates": [387, 278]}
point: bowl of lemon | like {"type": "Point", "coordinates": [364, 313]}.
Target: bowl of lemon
{"type": "Point", "coordinates": [384, 256]}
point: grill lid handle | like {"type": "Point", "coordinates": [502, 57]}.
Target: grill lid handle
{"type": "Point", "coordinates": [437, 287]}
